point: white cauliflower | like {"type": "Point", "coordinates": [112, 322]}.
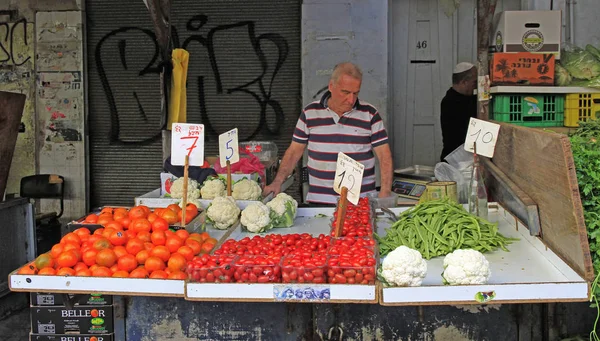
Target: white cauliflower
{"type": "Point", "coordinates": [255, 217]}
{"type": "Point", "coordinates": [404, 267]}
{"type": "Point", "coordinates": [212, 188]}
{"type": "Point", "coordinates": [466, 267]}
{"type": "Point", "coordinates": [223, 212]}
{"type": "Point", "coordinates": [177, 189]}
{"type": "Point", "coordinates": [283, 210]}
{"type": "Point", "coordinates": [245, 189]}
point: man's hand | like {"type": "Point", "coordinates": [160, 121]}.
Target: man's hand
{"type": "Point", "coordinates": [384, 156]}
{"type": "Point", "coordinates": [385, 193]}
{"type": "Point", "coordinates": [274, 188]}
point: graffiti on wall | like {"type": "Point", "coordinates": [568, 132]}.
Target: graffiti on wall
{"type": "Point", "coordinates": [14, 43]}
{"type": "Point", "coordinates": [226, 49]}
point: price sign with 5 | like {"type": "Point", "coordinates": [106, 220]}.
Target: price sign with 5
{"type": "Point", "coordinates": [228, 147]}
{"type": "Point", "coordinates": [349, 174]}
{"type": "Point", "coordinates": [187, 139]}
{"type": "Point", "coordinates": [485, 134]}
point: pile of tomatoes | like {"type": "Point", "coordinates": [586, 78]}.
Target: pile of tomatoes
{"type": "Point", "coordinates": [358, 221]}
{"type": "Point", "coordinates": [134, 243]}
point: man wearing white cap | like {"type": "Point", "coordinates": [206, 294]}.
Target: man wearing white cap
{"type": "Point", "coordinates": [458, 106]}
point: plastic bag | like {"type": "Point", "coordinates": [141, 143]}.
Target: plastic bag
{"type": "Point", "coordinates": [246, 165]}
{"type": "Point", "coordinates": [458, 169]}
{"type": "Point", "coordinates": [580, 63]}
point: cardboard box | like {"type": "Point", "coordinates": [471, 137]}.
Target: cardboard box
{"type": "Point", "coordinates": [71, 337]}
{"type": "Point", "coordinates": [53, 299]}
{"type": "Point", "coordinates": [80, 319]}
{"type": "Point", "coordinates": [522, 69]}
{"type": "Point", "coordinates": [527, 31]}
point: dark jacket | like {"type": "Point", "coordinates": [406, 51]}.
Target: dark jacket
{"type": "Point", "coordinates": [457, 110]}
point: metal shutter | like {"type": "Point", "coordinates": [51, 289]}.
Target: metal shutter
{"type": "Point", "coordinates": [244, 72]}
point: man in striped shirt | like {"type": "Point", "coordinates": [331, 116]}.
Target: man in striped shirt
{"type": "Point", "coordinates": [339, 122]}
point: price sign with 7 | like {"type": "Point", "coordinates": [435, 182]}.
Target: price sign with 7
{"type": "Point", "coordinates": [228, 147]}
{"type": "Point", "coordinates": [485, 134]}
{"type": "Point", "coordinates": [187, 139]}
{"type": "Point", "coordinates": [349, 174]}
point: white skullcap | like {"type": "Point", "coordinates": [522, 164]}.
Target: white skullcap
{"type": "Point", "coordinates": [462, 67]}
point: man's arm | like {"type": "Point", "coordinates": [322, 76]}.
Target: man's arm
{"type": "Point", "coordinates": [286, 167]}
{"type": "Point", "coordinates": [386, 165]}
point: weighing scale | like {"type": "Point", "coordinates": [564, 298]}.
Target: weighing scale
{"type": "Point", "coordinates": [411, 182]}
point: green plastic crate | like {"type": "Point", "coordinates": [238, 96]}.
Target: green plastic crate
{"type": "Point", "coordinates": [530, 110]}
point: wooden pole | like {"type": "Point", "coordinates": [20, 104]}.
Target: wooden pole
{"type": "Point", "coordinates": [228, 178]}
{"type": "Point", "coordinates": [185, 189]}
{"type": "Point", "coordinates": [341, 212]}
{"type": "Point", "coordinates": [485, 16]}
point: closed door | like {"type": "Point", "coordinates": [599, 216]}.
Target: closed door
{"type": "Point", "coordinates": [424, 46]}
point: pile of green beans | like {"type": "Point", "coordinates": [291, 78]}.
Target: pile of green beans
{"type": "Point", "coordinates": [436, 228]}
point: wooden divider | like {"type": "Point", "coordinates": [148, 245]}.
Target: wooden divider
{"type": "Point", "coordinates": [541, 164]}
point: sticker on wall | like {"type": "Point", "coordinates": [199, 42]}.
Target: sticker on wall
{"type": "Point", "coordinates": [313, 292]}
{"type": "Point", "coordinates": [483, 88]}
{"type": "Point", "coordinates": [533, 40]}
{"type": "Point", "coordinates": [485, 296]}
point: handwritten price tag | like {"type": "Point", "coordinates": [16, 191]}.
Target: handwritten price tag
{"type": "Point", "coordinates": [485, 134]}
{"type": "Point", "coordinates": [187, 139]}
{"type": "Point", "coordinates": [349, 174]}
{"type": "Point", "coordinates": [229, 149]}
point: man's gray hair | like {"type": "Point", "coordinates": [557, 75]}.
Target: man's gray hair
{"type": "Point", "coordinates": [348, 69]}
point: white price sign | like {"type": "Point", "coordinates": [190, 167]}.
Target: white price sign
{"type": "Point", "coordinates": [349, 174]}
{"type": "Point", "coordinates": [187, 139]}
{"type": "Point", "coordinates": [229, 149]}
{"type": "Point", "coordinates": [485, 134]}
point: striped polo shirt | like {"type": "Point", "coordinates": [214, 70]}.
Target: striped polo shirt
{"type": "Point", "coordinates": [355, 134]}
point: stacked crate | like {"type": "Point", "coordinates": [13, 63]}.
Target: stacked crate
{"type": "Point", "coordinates": [58, 317]}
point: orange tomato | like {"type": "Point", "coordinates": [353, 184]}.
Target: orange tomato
{"type": "Point", "coordinates": [158, 238]}
{"type": "Point", "coordinates": [195, 245]}
{"type": "Point", "coordinates": [137, 213]}
{"type": "Point", "coordinates": [127, 263]}
{"type": "Point", "coordinates": [142, 256]}
{"type": "Point", "coordinates": [183, 234]}
{"type": "Point", "coordinates": [120, 251]}
{"type": "Point", "coordinates": [186, 252]}
{"type": "Point", "coordinates": [158, 211]}
{"type": "Point", "coordinates": [154, 263]}
{"type": "Point", "coordinates": [139, 273]}
{"type": "Point", "coordinates": [177, 262]}
{"type": "Point", "coordinates": [80, 266]}
{"type": "Point", "coordinates": [170, 216]}
{"type": "Point", "coordinates": [146, 209]}
{"type": "Point", "coordinates": [44, 261]}
{"type": "Point", "coordinates": [104, 219]}
{"type": "Point", "coordinates": [177, 275]}
{"type": "Point", "coordinates": [83, 273]}
{"type": "Point", "coordinates": [197, 237]}
{"type": "Point", "coordinates": [188, 217]}
{"type": "Point", "coordinates": [207, 247]}
{"type": "Point", "coordinates": [71, 238]}
{"type": "Point", "coordinates": [70, 246]}
{"type": "Point", "coordinates": [115, 225]}
{"type": "Point", "coordinates": [130, 234]}
{"type": "Point", "coordinates": [114, 268]}
{"type": "Point", "coordinates": [169, 233]}
{"type": "Point", "coordinates": [102, 271]}
{"type": "Point", "coordinates": [82, 232]}
{"type": "Point", "coordinates": [141, 225]}
{"type": "Point", "coordinates": [47, 271]}
{"type": "Point", "coordinates": [161, 252]}
{"type": "Point", "coordinates": [134, 246]}
{"type": "Point", "coordinates": [89, 257]}
{"type": "Point", "coordinates": [159, 224]}
{"type": "Point", "coordinates": [99, 231]}
{"type": "Point", "coordinates": [173, 243]}
{"type": "Point", "coordinates": [144, 236]}
{"type": "Point", "coordinates": [67, 259]}
{"type": "Point", "coordinates": [121, 274]}
{"type": "Point", "coordinates": [101, 244]}
{"type": "Point", "coordinates": [91, 219]}
{"type": "Point", "coordinates": [118, 238]}
{"type": "Point", "coordinates": [148, 246]}
{"type": "Point", "coordinates": [57, 250]}
{"type": "Point", "coordinates": [159, 274]}
{"type": "Point", "coordinates": [108, 210]}
{"type": "Point", "coordinates": [126, 222]}
{"type": "Point", "coordinates": [118, 216]}
{"type": "Point", "coordinates": [151, 217]}
{"type": "Point", "coordinates": [213, 241]}
{"type": "Point", "coordinates": [106, 258]}
{"type": "Point", "coordinates": [120, 210]}
{"type": "Point", "coordinates": [65, 272]}
{"type": "Point", "coordinates": [107, 232]}
{"type": "Point", "coordinates": [205, 236]}
{"type": "Point", "coordinates": [174, 207]}
{"type": "Point", "coordinates": [28, 269]}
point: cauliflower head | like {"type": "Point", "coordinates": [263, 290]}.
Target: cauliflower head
{"type": "Point", "coordinates": [177, 189]}
{"type": "Point", "coordinates": [255, 217]}
{"type": "Point", "coordinates": [404, 267]}
{"type": "Point", "coordinates": [466, 267]}
{"type": "Point", "coordinates": [223, 212]}
{"type": "Point", "coordinates": [283, 210]}
{"type": "Point", "coordinates": [245, 189]}
{"type": "Point", "coordinates": [212, 188]}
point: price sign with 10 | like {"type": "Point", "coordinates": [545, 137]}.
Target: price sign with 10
{"type": "Point", "coordinates": [229, 147]}
{"type": "Point", "coordinates": [349, 174]}
{"type": "Point", "coordinates": [485, 134]}
{"type": "Point", "coordinates": [187, 139]}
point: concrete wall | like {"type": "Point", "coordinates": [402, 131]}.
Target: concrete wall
{"type": "Point", "coordinates": [46, 63]}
